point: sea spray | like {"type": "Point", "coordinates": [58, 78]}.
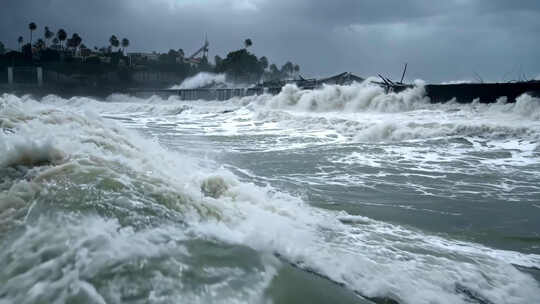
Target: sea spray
{"type": "Point", "coordinates": [353, 98]}
{"type": "Point", "coordinates": [119, 217]}
{"type": "Point", "coordinates": [108, 206]}
{"type": "Point", "coordinates": [364, 112]}
{"type": "Point", "coordinates": [201, 80]}
{"type": "Point", "coordinates": [98, 151]}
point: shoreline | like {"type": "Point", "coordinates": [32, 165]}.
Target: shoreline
{"type": "Point", "coordinates": [438, 93]}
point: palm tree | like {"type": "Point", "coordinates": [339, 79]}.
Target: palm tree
{"type": "Point", "coordinates": [114, 41]}
{"type": "Point", "coordinates": [77, 40]}
{"type": "Point", "coordinates": [55, 41]}
{"type": "Point", "coordinates": [32, 26]}
{"type": "Point", "coordinates": [40, 44]}
{"type": "Point", "coordinates": [287, 69]}
{"type": "Point", "coordinates": [69, 43]}
{"type": "Point", "coordinates": [61, 35]}
{"type": "Point", "coordinates": [20, 41]}
{"type": "Point", "coordinates": [264, 62]}
{"type": "Point", "coordinates": [248, 43]}
{"type": "Point", "coordinates": [48, 35]}
{"type": "Point", "coordinates": [74, 41]}
{"type": "Point", "coordinates": [125, 43]}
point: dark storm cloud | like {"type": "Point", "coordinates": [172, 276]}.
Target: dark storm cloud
{"type": "Point", "coordinates": [505, 5]}
{"type": "Point", "coordinates": [441, 40]}
{"type": "Point", "coordinates": [362, 12]}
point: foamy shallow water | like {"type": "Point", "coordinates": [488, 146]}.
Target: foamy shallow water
{"type": "Point", "coordinates": [156, 201]}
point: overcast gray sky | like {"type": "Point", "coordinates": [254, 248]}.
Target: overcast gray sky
{"type": "Point", "coordinates": [441, 40]}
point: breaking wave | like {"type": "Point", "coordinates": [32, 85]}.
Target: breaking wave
{"type": "Point", "coordinates": [202, 80]}
{"type": "Point", "coordinates": [367, 97]}
{"type": "Point", "coordinates": [90, 211]}
{"type": "Point", "coordinates": [354, 98]}
{"type": "Point", "coordinates": [364, 112]}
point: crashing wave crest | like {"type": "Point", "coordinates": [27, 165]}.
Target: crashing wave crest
{"type": "Point", "coordinates": [353, 98]}
{"type": "Point", "coordinates": [202, 80]}
{"type": "Point", "coordinates": [105, 198]}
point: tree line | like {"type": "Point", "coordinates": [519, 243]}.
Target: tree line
{"type": "Point", "coordinates": [239, 65]}
{"type": "Point", "coordinates": [61, 40]}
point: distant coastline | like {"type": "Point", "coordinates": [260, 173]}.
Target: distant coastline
{"type": "Point", "coordinates": [60, 64]}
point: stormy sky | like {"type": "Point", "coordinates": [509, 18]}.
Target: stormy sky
{"type": "Point", "coordinates": [499, 40]}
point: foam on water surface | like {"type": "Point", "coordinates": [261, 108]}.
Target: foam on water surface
{"type": "Point", "coordinates": [89, 207]}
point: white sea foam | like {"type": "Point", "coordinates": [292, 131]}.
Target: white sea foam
{"type": "Point", "coordinates": [363, 112]}
{"type": "Point", "coordinates": [360, 113]}
{"type": "Point", "coordinates": [375, 258]}
{"type": "Point", "coordinates": [101, 165]}
{"type": "Point", "coordinates": [371, 257]}
{"type": "Point", "coordinates": [202, 79]}
{"type": "Point", "coordinates": [357, 97]}
{"type": "Point", "coordinates": [62, 259]}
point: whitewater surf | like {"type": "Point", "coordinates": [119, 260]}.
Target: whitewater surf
{"type": "Point", "coordinates": [342, 194]}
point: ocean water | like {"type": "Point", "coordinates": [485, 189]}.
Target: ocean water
{"type": "Point", "coordinates": [340, 195]}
